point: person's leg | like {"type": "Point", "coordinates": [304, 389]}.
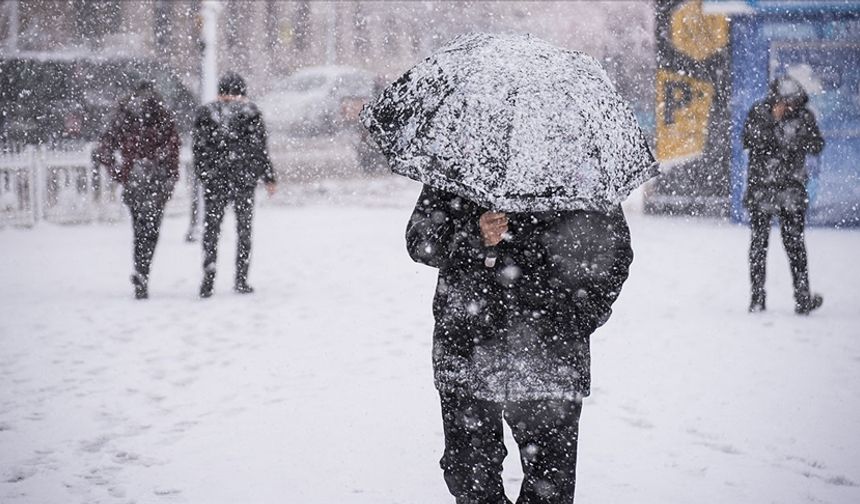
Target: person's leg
{"type": "Point", "coordinates": [792, 226]}
{"type": "Point", "coordinates": [146, 203]}
{"type": "Point", "coordinates": [155, 199]}
{"type": "Point", "coordinates": [195, 206]}
{"type": "Point", "coordinates": [474, 449]}
{"type": "Point", "coordinates": [213, 207]}
{"type": "Point", "coordinates": [141, 268]}
{"type": "Point", "coordinates": [151, 222]}
{"type": "Point", "coordinates": [760, 233]}
{"type": "Point", "coordinates": [547, 433]}
{"type": "Point", "coordinates": [244, 205]}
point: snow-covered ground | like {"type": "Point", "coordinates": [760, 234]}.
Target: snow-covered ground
{"type": "Point", "coordinates": [318, 387]}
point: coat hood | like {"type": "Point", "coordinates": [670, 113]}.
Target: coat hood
{"type": "Point", "coordinates": [146, 105]}
{"type": "Point", "coordinates": [789, 90]}
{"type": "Point", "coordinates": [232, 84]}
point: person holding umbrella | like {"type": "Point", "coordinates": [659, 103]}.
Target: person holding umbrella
{"type": "Point", "coordinates": [525, 151]}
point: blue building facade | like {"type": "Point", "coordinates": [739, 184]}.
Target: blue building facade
{"type": "Point", "coordinates": [817, 43]}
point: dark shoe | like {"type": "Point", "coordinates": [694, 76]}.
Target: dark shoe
{"type": "Point", "coordinates": [243, 288]}
{"type": "Point", "coordinates": [757, 304]}
{"type": "Point", "coordinates": [207, 286]}
{"type": "Point", "coordinates": [806, 305]}
{"type": "Point", "coordinates": [140, 290]}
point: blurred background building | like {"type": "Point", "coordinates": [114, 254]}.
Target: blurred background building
{"type": "Point", "coordinates": [690, 68]}
{"type": "Point", "coordinates": [310, 66]}
{"type": "Point", "coordinates": [269, 39]}
{"type": "Point", "coordinates": [715, 58]}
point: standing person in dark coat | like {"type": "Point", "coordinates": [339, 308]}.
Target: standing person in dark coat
{"type": "Point", "coordinates": [144, 131]}
{"type": "Point", "coordinates": [779, 133]}
{"type": "Point", "coordinates": [230, 157]}
{"type": "Point", "coordinates": [512, 335]}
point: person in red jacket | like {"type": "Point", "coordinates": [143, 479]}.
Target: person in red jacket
{"type": "Point", "coordinates": [144, 133]}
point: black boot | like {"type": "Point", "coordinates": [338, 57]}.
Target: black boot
{"type": "Point", "coordinates": [242, 287]}
{"type": "Point", "coordinates": [207, 285]}
{"type": "Point", "coordinates": [757, 304]}
{"type": "Point", "coordinates": [805, 304]}
{"type": "Point", "coordinates": [140, 289]}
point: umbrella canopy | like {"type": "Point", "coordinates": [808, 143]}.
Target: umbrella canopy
{"type": "Point", "coordinates": [513, 123]}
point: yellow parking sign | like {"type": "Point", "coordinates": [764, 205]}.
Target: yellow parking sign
{"type": "Point", "coordinates": [683, 115]}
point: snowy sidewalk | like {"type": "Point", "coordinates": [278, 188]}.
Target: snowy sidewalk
{"type": "Point", "coordinates": [318, 387]}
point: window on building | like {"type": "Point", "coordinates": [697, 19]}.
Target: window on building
{"type": "Point", "coordinates": [163, 23]}
{"type": "Point", "coordinates": [391, 40]}
{"type": "Point", "coordinates": [271, 25]}
{"type": "Point", "coordinates": [94, 20]}
{"type": "Point", "coordinates": [302, 25]}
{"type": "Point", "coordinates": [361, 37]}
{"type": "Point", "coordinates": [232, 19]}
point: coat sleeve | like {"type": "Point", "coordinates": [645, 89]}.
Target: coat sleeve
{"type": "Point", "coordinates": [746, 134]}
{"type": "Point", "coordinates": [812, 141]}
{"type": "Point", "coordinates": [109, 142]}
{"type": "Point", "coordinates": [602, 281]}
{"type": "Point", "coordinates": [169, 148]}
{"type": "Point", "coordinates": [259, 148]}
{"type": "Point", "coordinates": [201, 144]}
{"type": "Point", "coordinates": [752, 135]}
{"type": "Point", "coordinates": [443, 229]}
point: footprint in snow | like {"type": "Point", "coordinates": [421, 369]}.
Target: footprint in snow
{"type": "Point", "coordinates": [166, 492]}
{"type": "Point", "coordinates": [639, 423]}
{"type": "Point", "coordinates": [700, 434]}
{"type": "Point", "coordinates": [16, 474]}
{"type": "Point", "coordinates": [720, 447]}
{"type": "Point", "coordinates": [841, 481]}
{"type": "Point", "coordinates": [95, 445]}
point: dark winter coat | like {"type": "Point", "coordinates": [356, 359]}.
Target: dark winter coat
{"type": "Point", "coordinates": [777, 152]}
{"type": "Point", "coordinates": [142, 129]}
{"type": "Point", "coordinates": [230, 151]}
{"type": "Point", "coordinates": [520, 330]}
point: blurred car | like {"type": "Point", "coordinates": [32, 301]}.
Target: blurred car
{"type": "Point", "coordinates": [317, 100]}
{"type": "Point", "coordinates": [51, 98]}
{"type": "Point", "coordinates": [312, 117]}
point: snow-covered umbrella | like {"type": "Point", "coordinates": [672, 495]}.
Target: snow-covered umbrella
{"type": "Point", "coordinates": [514, 124]}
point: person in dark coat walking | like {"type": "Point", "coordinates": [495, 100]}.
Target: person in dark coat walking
{"type": "Point", "coordinates": [780, 131]}
{"type": "Point", "coordinates": [512, 335]}
{"type": "Point", "coordinates": [230, 157]}
{"type": "Point", "coordinates": [144, 131]}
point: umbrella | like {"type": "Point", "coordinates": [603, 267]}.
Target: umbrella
{"type": "Point", "coordinates": [514, 124]}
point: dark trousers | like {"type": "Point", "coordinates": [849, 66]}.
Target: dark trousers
{"type": "Point", "coordinates": [146, 195]}
{"type": "Point", "coordinates": [545, 431]}
{"type": "Point", "coordinates": [146, 223]}
{"type": "Point", "coordinates": [214, 204]}
{"type": "Point", "coordinates": [791, 224]}
{"type": "Point", "coordinates": [196, 187]}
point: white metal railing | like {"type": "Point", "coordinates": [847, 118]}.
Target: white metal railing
{"type": "Point", "coordinates": [17, 188]}
{"type": "Point", "coordinates": [60, 185]}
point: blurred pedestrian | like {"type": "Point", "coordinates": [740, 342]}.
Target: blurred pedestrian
{"type": "Point", "coordinates": [144, 132]}
{"type": "Point", "coordinates": [780, 131]}
{"type": "Point", "coordinates": [230, 157]}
